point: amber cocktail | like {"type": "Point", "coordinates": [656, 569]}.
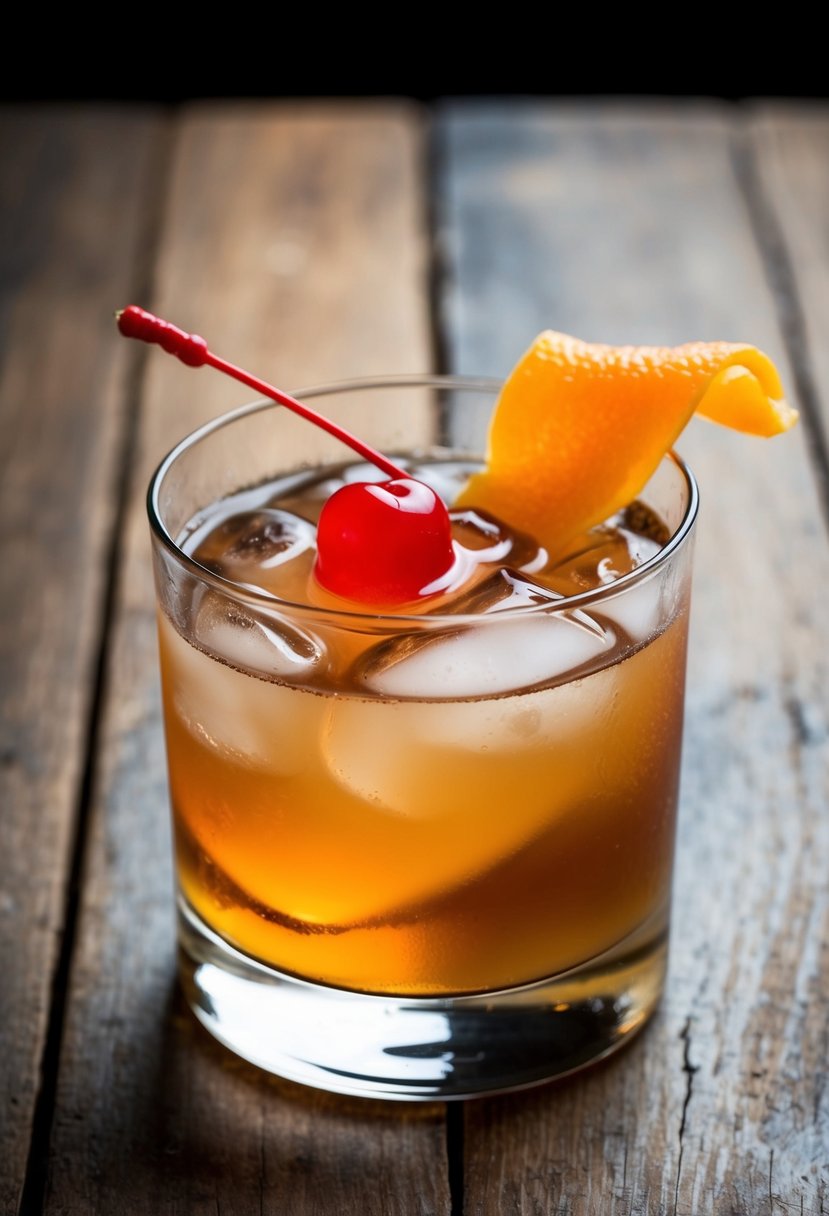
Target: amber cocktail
{"type": "Point", "coordinates": [427, 852]}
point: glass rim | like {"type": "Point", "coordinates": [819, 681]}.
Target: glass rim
{"type": "Point", "coordinates": [265, 600]}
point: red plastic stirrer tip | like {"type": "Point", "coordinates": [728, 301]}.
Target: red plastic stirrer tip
{"type": "Point", "coordinates": [135, 322]}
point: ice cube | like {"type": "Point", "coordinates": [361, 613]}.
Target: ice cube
{"type": "Point", "coordinates": [641, 548]}
{"type": "Point", "coordinates": [599, 558]}
{"type": "Point", "coordinates": [637, 608]}
{"type": "Point", "coordinates": [493, 773]}
{"type": "Point", "coordinates": [256, 720]}
{"type": "Point", "coordinates": [446, 477]}
{"type": "Point", "coordinates": [491, 541]}
{"type": "Point", "coordinates": [500, 592]}
{"type": "Point", "coordinates": [244, 640]}
{"type": "Point", "coordinates": [492, 727]}
{"type": "Point", "coordinates": [498, 657]}
{"type": "Point", "coordinates": [263, 539]}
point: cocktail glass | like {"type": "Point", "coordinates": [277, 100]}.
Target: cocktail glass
{"type": "Point", "coordinates": [446, 872]}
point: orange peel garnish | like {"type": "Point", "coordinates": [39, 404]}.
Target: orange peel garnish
{"type": "Point", "coordinates": [580, 427]}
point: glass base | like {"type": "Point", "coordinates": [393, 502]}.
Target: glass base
{"type": "Point", "coordinates": [416, 1048]}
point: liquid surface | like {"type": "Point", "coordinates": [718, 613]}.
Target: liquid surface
{"type": "Point", "coordinates": [413, 807]}
{"type": "Point", "coordinates": [265, 538]}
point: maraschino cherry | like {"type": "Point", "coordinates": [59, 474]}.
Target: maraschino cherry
{"type": "Point", "coordinates": [382, 543]}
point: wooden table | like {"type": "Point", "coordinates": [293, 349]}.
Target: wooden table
{"type": "Point", "coordinates": [317, 242]}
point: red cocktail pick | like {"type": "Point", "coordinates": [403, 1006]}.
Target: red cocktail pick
{"type": "Point", "coordinates": [135, 322]}
{"type": "Point", "coordinates": [377, 542]}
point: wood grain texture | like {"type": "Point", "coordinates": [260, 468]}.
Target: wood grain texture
{"type": "Point", "coordinates": [787, 147]}
{"type": "Point", "coordinates": [630, 225]}
{"type": "Point", "coordinates": [74, 189]}
{"type": "Point", "coordinates": [293, 240]}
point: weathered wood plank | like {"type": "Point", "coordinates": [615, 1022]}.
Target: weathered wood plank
{"type": "Point", "coordinates": [788, 147]}
{"type": "Point", "coordinates": [294, 241]}
{"type": "Point", "coordinates": [629, 226]}
{"type": "Point", "coordinates": [75, 186]}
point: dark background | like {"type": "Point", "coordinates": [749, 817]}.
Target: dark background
{"type": "Point", "coordinates": [176, 54]}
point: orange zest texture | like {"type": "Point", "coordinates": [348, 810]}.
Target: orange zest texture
{"type": "Point", "coordinates": [580, 427]}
